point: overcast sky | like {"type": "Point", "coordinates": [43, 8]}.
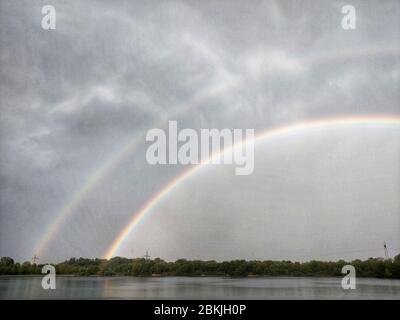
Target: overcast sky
{"type": "Point", "coordinates": [72, 97]}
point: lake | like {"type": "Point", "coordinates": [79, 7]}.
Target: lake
{"type": "Point", "coordinates": [29, 287]}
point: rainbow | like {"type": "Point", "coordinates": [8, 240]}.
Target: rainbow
{"type": "Point", "coordinates": [109, 165]}
{"type": "Point", "coordinates": [269, 133]}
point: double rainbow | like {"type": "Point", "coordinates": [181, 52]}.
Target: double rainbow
{"type": "Point", "coordinates": [105, 169]}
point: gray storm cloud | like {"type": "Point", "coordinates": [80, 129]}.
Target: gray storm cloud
{"type": "Point", "coordinates": [71, 98]}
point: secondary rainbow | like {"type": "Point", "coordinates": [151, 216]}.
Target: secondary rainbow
{"type": "Point", "coordinates": [269, 133]}
{"type": "Point", "coordinates": [104, 170]}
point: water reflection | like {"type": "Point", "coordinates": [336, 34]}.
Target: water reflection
{"type": "Point", "coordinates": [29, 287]}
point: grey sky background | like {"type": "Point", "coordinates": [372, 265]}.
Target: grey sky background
{"type": "Point", "coordinates": [72, 97]}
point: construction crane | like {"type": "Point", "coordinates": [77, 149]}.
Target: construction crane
{"type": "Point", "coordinates": [386, 251]}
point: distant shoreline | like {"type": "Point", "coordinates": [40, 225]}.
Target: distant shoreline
{"type": "Point", "coordinates": [39, 276]}
{"type": "Point", "coordinates": [140, 267]}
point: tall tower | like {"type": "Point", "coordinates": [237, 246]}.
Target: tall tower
{"type": "Point", "coordinates": [147, 256]}
{"type": "Point", "coordinates": [34, 259]}
{"type": "Point", "coordinates": [386, 251]}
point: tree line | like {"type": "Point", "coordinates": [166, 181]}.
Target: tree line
{"type": "Point", "coordinates": [119, 266]}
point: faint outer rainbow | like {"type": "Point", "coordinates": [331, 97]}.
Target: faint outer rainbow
{"type": "Point", "coordinates": [104, 170]}
{"type": "Point", "coordinates": [269, 133]}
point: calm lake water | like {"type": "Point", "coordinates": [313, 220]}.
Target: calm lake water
{"type": "Point", "coordinates": [20, 287]}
